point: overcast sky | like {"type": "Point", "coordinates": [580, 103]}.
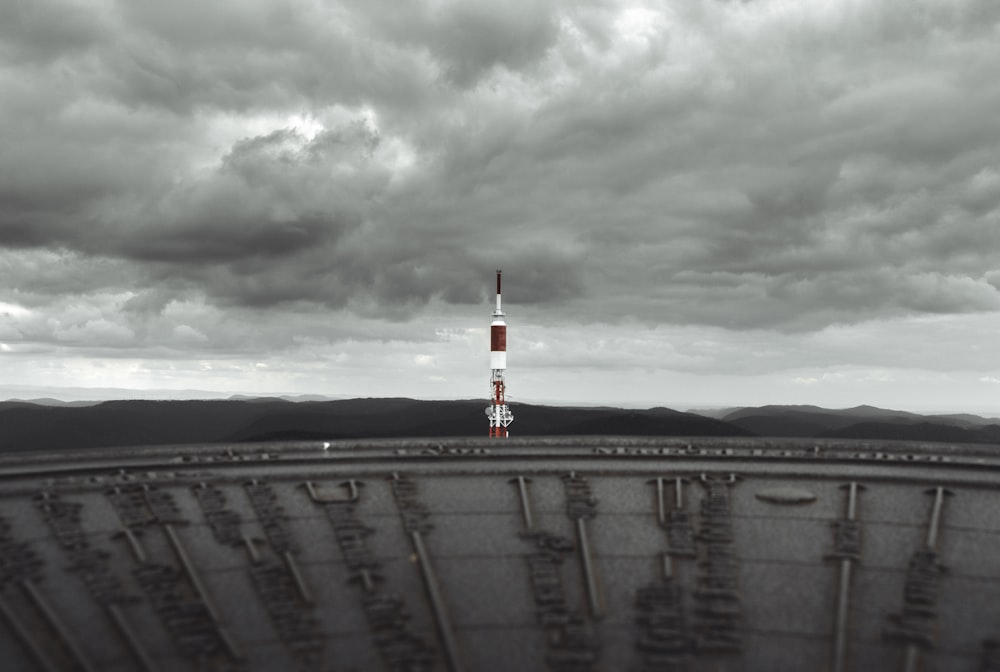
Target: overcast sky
{"type": "Point", "coordinates": [695, 202]}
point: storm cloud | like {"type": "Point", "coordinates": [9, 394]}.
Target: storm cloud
{"type": "Point", "coordinates": [344, 178]}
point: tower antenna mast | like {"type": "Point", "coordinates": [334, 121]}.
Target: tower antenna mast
{"type": "Point", "coordinates": [498, 411]}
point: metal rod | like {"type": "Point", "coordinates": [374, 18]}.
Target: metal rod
{"type": "Point", "coordinates": [40, 656]}
{"type": "Point", "coordinates": [230, 641]}
{"type": "Point", "coordinates": [589, 576]}
{"type": "Point", "coordinates": [300, 582]}
{"type": "Point", "coordinates": [912, 654]}
{"type": "Point", "coordinates": [134, 545]}
{"type": "Point", "coordinates": [852, 500]}
{"type": "Point", "coordinates": [192, 574]}
{"type": "Point", "coordinates": [661, 504]}
{"type": "Point", "coordinates": [311, 489]}
{"type": "Point", "coordinates": [522, 488]}
{"type": "Point", "coordinates": [452, 657]}
{"type": "Point", "coordinates": [234, 648]}
{"type": "Point", "coordinates": [251, 547]}
{"type": "Point", "coordinates": [840, 625]}
{"type": "Point", "coordinates": [366, 580]}
{"type": "Point", "coordinates": [666, 566]}
{"type": "Point", "coordinates": [934, 528]}
{"type": "Point", "coordinates": [131, 639]}
{"type": "Point", "coordinates": [679, 493]}
{"type": "Point", "coordinates": [352, 489]}
{"type": "Point", "coordinates": [353, 492]}
{"type": "Point", "coordinates": [57, 625]}
{"type": "Point", "coordinates": [840, 628]}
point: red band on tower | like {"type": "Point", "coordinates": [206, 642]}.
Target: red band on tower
{"type": "Point", "coordinates": [498, 338]}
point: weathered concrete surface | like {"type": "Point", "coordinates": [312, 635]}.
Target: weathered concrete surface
{"type": "Point", "coordinates": [568, 554]}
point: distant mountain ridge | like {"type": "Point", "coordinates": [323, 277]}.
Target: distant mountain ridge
{"type": "Point", "coordinates": [25, 425]}
{"type": "Point", "coordinates": [863, 422]}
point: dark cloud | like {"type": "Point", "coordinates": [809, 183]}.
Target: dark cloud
{"type": "Point", "coordinates": [44, 31]}
{"type": "Point", "coordinates": [273, 196]}
{"type": "Point", "coordinates": [469, 40]}
{"type": "Point", "coordinates": [149, 302]}
{"type": "Point", "coordinates": [34, 277]}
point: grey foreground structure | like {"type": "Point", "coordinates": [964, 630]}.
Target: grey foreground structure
{"type": "Point", "coordinates": [566, 555]}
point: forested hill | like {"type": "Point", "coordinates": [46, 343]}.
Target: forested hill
{"type": "Point", "coordinates": [45, 426]}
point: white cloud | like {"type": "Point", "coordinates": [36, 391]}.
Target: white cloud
{"type": "Point", "coordinates": [13, 310]}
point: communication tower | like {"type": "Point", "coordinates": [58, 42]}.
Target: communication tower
{"type": "Point", "coordinates": [498, 411]}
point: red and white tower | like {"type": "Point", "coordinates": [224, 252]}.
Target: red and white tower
{"type": "Point", "coordinates": [498, 412]}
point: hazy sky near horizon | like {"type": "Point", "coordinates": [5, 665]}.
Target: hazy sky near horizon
{"type": "Point", "coordinates": [695, 203]}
